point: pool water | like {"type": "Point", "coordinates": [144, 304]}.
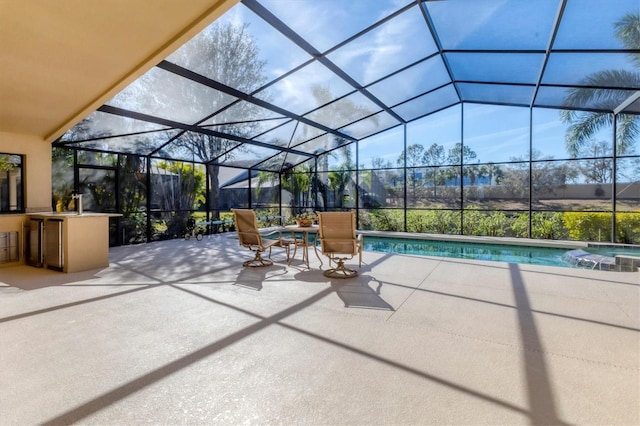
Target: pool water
{"type": "Point", "coordinates": [613, 250]}
{"type": "Point", "coordinates": [466, 250]}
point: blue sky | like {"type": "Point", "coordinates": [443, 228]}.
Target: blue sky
{"type": "Point", "coordinates": [495, 133]}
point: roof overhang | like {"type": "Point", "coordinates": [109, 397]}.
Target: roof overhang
{"type": "Point", "coordinates": [60, 60]}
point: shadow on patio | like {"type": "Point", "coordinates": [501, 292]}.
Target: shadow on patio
{"type": "Point", "coordinates": [175, 332]}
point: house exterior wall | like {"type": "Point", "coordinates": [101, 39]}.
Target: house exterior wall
{"type": "Point", "coordinates": [37, 180]}
{"type": "Point", "coordinates": [37, 168]}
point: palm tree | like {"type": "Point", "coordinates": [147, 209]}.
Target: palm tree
{"type": "Point", "coordinates": [583, 124]}
{"type": "Point", "coordinates": [338, 181]}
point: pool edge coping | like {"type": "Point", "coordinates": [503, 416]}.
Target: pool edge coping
{"type": "Point", "coordinates": [478, 239]}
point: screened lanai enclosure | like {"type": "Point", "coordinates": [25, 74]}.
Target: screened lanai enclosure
{"type": "Point", "coordinates": [494, 117]}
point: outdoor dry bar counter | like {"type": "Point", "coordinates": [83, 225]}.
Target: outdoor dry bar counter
{"type": "Point", "coordinates": [68, 242]}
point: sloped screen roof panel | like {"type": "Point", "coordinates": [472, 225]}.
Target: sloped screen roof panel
{"type": "Point", "coordinates": [403, 40]}
{"type": "Point", "coordinates": [428, 103]}
{"type": "Point", "coordinates": [594, 24]}
{"type": "Point", "coordinates": [306, 89]}
{"type": "Point", "coordinates": [411, 82]}
{"type": "Point", "coordinates": [522, 68]}
{"type": "Point", "coordinates": [344, 19]}
{"type": "Point", "coordinates": [496, 93]}
{"type": "Point", "coordinates": [269, 85]}
{"type": "Point", "coordinates": [165, 95]}
{"type": "Point", "coordinates": [261, 52]}
{"type": "Point", "coordinates": [592, 69]}
{"type": "Point", "coordinates": [494, 25]}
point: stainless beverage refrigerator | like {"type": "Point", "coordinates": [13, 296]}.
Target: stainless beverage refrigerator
{"type": "Point", "coordinates": [53, 256]}
{"type": "Point", "coordinates": [35, 254]}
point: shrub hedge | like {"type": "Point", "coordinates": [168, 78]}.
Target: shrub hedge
{"type": "Point", "coordinates": [580, 226]}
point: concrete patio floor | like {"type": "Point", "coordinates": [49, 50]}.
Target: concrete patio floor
{"type": "Point", "coordinates": [177, 333]}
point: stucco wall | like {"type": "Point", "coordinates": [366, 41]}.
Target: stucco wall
{"type": "Point", "coordinates": [37, 179]}
{"type": "Point", "coordinates": [37, 168]}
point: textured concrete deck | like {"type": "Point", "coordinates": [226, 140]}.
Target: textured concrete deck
{"type": "Point", "coordinates": [177, 332]}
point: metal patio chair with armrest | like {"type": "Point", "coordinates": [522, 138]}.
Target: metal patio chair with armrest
{"type": "Point", "coordinates": [338, 241]}
{"type": "Point", "coordinates": [249, 236]}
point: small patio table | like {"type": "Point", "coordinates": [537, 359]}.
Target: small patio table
{"type": "Point", "coordinates": [304, 243]}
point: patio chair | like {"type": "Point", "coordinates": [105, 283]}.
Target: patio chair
{"type": "Point", "coordinates": [338, 241]}
{"type": "Point", "coordinates": [250, 237]}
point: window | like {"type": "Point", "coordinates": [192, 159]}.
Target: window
{"type": "Point", "coordinates": [11, 193]}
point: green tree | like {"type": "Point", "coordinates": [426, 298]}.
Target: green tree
{"type": "Point", "coordinates": [225, 52]}
{"type": "Point", "coordinates": [133, 197]}
{"type": "Point", "coordinates": [338, 181]}
{"type": "Point", "coordinates": [185, 187]}
{"type": "Point", "coordinates": [597, 170]}
{"type": "Point", "coordinates": [585, 124]}
{"type": "Point", "coordinates": [297, 181]}
{"type": "Point", "coordinates": [468, 157]}
{"type": "Point", "coordinates": [180, 189]}
{"type": "Point", "coordinates": [493, 172]}
{"type": "Point", "coordinates": [378, 163]}
{"type": "Point", "coordinates": [61, 177]}
{"type": "Point", "coordinates": [6, 163]}
{"type": "Point", "coordinates": [434, 157]}
{"type": "Point", "coordinates": [341, 112]}
{"type": "Point", "coordinates": [545, 178]}
{"type": "Point", "coordinates": [414, 157]}
{"type": "Point", "coordinates": [461, 154]}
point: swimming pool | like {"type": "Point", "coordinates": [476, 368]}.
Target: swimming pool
{"type": "Point", "coordinates": [609, 250]}
{"type": "Point", "coordinates": [469, 250]}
